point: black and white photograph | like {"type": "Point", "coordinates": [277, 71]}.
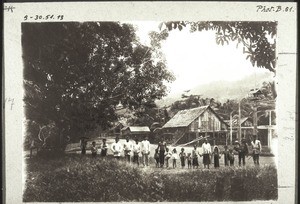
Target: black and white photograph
{"type": "Point", "coordinates": [150, 110]}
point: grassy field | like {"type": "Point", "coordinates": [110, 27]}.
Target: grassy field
{"type": "Point", "coordinates": [77, 178]}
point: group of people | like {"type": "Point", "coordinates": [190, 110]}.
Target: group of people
{"type": "Point", "coordinates": [131, 150]}
{"type": "Point", "coordinates": [163, 154]}
{"type": "Point", "coordinates": [103, 147]}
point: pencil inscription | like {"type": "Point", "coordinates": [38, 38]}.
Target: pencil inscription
{"type": "Point", "coordinates": [261, 8]}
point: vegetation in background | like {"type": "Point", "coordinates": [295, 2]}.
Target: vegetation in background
{"type": "Point", "coordinates": [76, 73]}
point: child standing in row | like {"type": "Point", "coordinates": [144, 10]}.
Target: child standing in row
{"type": "Point", "coordinates": [182, 156]}
{"type": "Point", "coordinates": [189, 160]}
{"type": "Point", "coordinates": [174, 157]}
{"type": "Point", "coordinates": [167, 157]}
{"type": "Point", "coordinates": [216, 156]}
{"type": "Point", "coordinates": [195, 154]}
{"type": "Point", "coordinates": [226, 155]}
{"type": "Point", "coordinates": [231, 157]}
{"type": "Point", "coordinates": [94, 149]}
{"type": "Point", "coordinates": [136, 150]}
{"type": "Point", "coordinates": [156, 157]}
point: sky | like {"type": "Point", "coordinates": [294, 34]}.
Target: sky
{"type": "Point", "coordinates": [196, 58]}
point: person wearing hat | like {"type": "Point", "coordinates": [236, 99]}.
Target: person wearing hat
{"type": "Point", "coordinates": [243, 152]}
{"type": "Point", "coordinates": [237, 148]}
{"type": "Point", "coordinates": [256, 148]}
{"type": "Point", "coordinates": [206, 149]}
{"type": "Point", "coordinates": [162, 145]}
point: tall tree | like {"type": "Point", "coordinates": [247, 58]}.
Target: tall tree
{"type": "Point", "coordinates": [76, 73]}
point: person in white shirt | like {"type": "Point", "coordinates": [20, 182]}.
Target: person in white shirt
{"type": "Point", "coordinates": [145, 148]}
{"type": "Point", "coordinates": [136, 151]}
{"type": "Point", "coordinates": [256, 146]}
{"type": "Point", "coordinates": [116, 148]}
{"type": "Point", "coordinates": [127, 149]}
{"type": "Point", "coordinates": [206, 151]}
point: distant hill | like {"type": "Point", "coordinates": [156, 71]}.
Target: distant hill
{"type": "Point", "coordinates": [222, 90]}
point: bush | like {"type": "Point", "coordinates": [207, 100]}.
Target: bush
{"type": "Point", "coordinates": [75, 178]}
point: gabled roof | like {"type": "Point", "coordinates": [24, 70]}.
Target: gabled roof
{"type": "Point", "coordinates": [184, 117]}
{"type": "Point", "coordinates": [235, 121]}
{"type": "Point", "coordinates": [137, 128]}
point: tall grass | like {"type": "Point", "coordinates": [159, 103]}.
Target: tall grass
{"type": "Point", "coordinates": [76, 178]}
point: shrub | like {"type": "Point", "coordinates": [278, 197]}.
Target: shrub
{"type": "Point", "coordinates": [75, 178]}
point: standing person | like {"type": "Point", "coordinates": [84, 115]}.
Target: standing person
{"type": "Point", "coordinates": [243, 152]}
{"type": "Point", "coordinates": [174, 158]}
{"type": "Point", "coordinates": [168, 155]}
{"type": "Point", "coordinates": [256, 146]}
{"type": "Point", "coordinates": [237, 148]}
{"type": "Point", "coordinates": [127, 149]}
{"type": "Point", "coordinates": [231, 157]}
{"type": "Point", "coordinates": [206, 149]}
{"type": "Point", "coordinates": [145, 147]}
{"type": "Point", "coordinates": [226, 155]}
{"type": "Point", "coordinates": [136, 152]}
{"type": "Point", "coordinates": [83, 145]}
{"type": "Point", "coordinates": [216, 157]}
{"type": "Point", "coordinates": [189, 160]}
{"type": "Point", "coordinates": [162, 145]}
{"type": "Point", "coordinates": [104, 148]}
{"type": "Point", "coordinates": [116, 148]}
{"type": "Point", "coordinates": [195, 154]}
{"type": "Point", "coordinates": [94, 149]}
{"type": "Point", "coordinates": [182, 156]}
{"type": "Point", "coordinates": [156, 157]}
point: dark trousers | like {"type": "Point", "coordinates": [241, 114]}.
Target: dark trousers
{"type": "Point", "coordinates": [195, 162]}
{"type": "Point", "coordinates": [127, 157]}
{"type": "Point", "coordinates": [242, 158]}
{"type": "Point", "coordinates": [83, 151]}
{"type": "Point", "coordinates": [256, 159]}
{"type": "Point", "coordinates": [136, 159]}
{"type": "Point", "coordinates": [189, 163]}
{"type": "Point", "coordinates": [167, 162]}
{"type": "Point", "coordinates": [226, 160]}
{"type": "Point", "coordinates": [182, 160]}
{"type": "Point", "coordinates": [216, 161]}
{"type": "Point", "coordinates": [157, 162]}
{"type": "Point", "coordinates": [94, 154]}
{"type": "Point", "coordinates": [103, 153]}
{"type": "Point", "coordinates": [162, 157]}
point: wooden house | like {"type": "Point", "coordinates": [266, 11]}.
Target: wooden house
{"type": "Point", "coordinates": [136, 132]}
{"type": "Point", "coordinates": [189, 124]}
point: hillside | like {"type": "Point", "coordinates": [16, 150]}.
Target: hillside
{"type": "Point", "coordinates": [222, 90]}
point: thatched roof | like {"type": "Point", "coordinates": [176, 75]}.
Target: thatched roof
{"type": "Point", "coordinates": [184, 117]}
